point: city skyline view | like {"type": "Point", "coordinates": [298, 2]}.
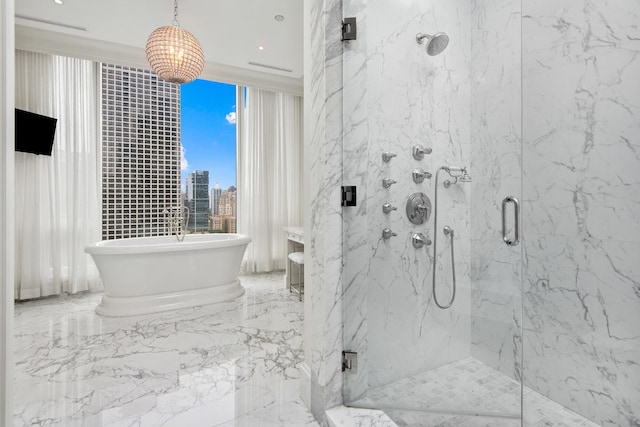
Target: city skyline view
{"type": "Point", "coordinates": [208, 131]}
{"type": "Point", "coordinates": [209, 210]}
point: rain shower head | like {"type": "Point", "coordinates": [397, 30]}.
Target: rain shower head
{"type": "Point", "coordinates": [465, 177]}
{"type": "Point", "coordinates": [435, 43]}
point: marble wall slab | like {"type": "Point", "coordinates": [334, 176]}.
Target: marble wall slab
{"type": "Point", "coordinates": [581, 136]}
{"type": "Point", "coordinates": [555, 123]}
{"type": "Point", "coordinates": [323, 213]}
{"type": "Point", "coordinates": [581, 316]}
{"type": "Point", "coordinates": [496, 159]}
{"type": "Point", "coordinates": [580, 190]}
{"type": "Point", "coordinates": [395, 97]}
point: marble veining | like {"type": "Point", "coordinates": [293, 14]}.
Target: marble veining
{"type": "Point", "coordinates": [395, 97]}
{"type": "Point", "coordinates": [555, 117]}
{"type": "Point", "coordinates": [232, 363]}
{"type": "Point", "coordinates": [467, 393]}
{"type": "Point", "coordinates": [496, 153]}
{"type": "Point", "coordinates": [581, 205]}
{"type": "Point", "coordinates": [541, 100]}
{"type": "Point", "coordinates": [344, 416]}
{"type": "Point", "coordinates": [323, 219]}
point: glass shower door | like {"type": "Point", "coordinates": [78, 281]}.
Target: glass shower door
{"type": "Point", "coordinates": [581, 141]}
{"type": "Point", "coordinates": [411, 118]}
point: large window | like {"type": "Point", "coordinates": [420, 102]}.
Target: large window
{"type": "Point", "coordinates": [165, 146]}
{"type": "Point", "coordinates": [208, 136]}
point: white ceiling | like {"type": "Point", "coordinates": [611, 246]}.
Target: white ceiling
{"type": "Point", "coordinates": [229, 31]}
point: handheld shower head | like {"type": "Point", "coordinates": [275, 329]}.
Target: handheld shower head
{"type": "Point", "coordinates": [435, 43]}
{"type": "Point", "coordinates": [458, 173]}
{"type": "Point", "coordinates": [450, 169]}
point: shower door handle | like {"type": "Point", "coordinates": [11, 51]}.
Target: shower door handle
{"type": "Point", "coordinates": [516, 214]}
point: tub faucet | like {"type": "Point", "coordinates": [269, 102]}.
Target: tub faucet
{"type": "Point", "coordinates": [177, 218]}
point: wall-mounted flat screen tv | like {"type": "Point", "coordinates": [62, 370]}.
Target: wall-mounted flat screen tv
{"type": "Point", "coordinates": [34, 132]}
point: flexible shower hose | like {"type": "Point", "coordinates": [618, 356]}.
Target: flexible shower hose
{"type": "Point", "coordinates": [447, 230]}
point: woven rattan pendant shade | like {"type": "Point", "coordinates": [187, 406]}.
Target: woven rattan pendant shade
{"type": "Point", "coordinates": [175, 54]}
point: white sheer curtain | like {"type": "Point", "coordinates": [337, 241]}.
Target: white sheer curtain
{"type": "Point", "coordinates": [58, 208]}
{"type": "Point", "coordinates": [269, 175]}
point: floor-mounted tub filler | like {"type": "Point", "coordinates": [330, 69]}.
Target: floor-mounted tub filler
{"type": "Point", "coordinates": [151, 274]}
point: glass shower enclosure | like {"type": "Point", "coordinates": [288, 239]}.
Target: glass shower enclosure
{"type": "Point", "coordinates": [488, 262]}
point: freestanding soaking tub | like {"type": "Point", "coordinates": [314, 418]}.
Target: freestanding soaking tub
{"type": "Point", "coordinates": [151, 274]}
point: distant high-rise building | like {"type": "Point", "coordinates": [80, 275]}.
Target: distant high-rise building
{"type": "Point", "coordinates": [231, 224]}
{"type": "Point", "coordinates": [225, 219]}
{"type": "Point", "coordinates": [216, 192]}
{"type": "Point", "coordinates": [140, 151]}
{"type": "Point", "coordinates": [217, 224]}
{"type": "Point", "coordinates": [227, 204]}
{"type": "Point", "coordinates": [224, 224]}
{"type": "Point", "coordinates": [197, 189]}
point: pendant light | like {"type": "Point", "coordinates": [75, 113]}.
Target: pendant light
{"type": "Point", "coordinates": [174, 53]}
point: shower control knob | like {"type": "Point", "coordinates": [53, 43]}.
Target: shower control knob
{"type": "Point", "coordinates": [419, 175]}
{"type": "Point", "coordinates": [419, 151]}
{"type": "Point", "coordinates": [388, 182]}
{"type": "Point", "coordinates": [418, 208]}
{"type": "Point", "coordinates": [386, 156]}
{"type": "Point", "coordinates": [419, 240]}
{"type": "Point", "coordinates": [386, 208]}
{"type": "Point", "coordinates": [387, 234]}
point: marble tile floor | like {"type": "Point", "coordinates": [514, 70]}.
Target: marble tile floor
{"type": "Point", "coordinates": [467, 387]}
{"type": "Point", "coordinates": [227, 364]}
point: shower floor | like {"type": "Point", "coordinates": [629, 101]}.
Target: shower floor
{"type": "Point", "coordinates": [467, 393]}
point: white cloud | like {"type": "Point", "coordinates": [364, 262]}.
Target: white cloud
{"type": "Point", "coordinates": [231, 118]}
{"type": "Point", "coordinates": [184, 164]}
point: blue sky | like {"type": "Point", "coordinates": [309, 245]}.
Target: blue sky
{"type": "Point", "coordinates": [208, 130]}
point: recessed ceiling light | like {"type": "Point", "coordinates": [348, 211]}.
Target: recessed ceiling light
{"type": "Point", "coordinates": [260, 47]}
{"type": "Point", "coordinates": [58, 1]}
{"type": "Point", "coordinates": [279, 18]}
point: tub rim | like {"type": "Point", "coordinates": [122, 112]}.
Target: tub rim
{"type": "Point", "coordinates": [111, 247]}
